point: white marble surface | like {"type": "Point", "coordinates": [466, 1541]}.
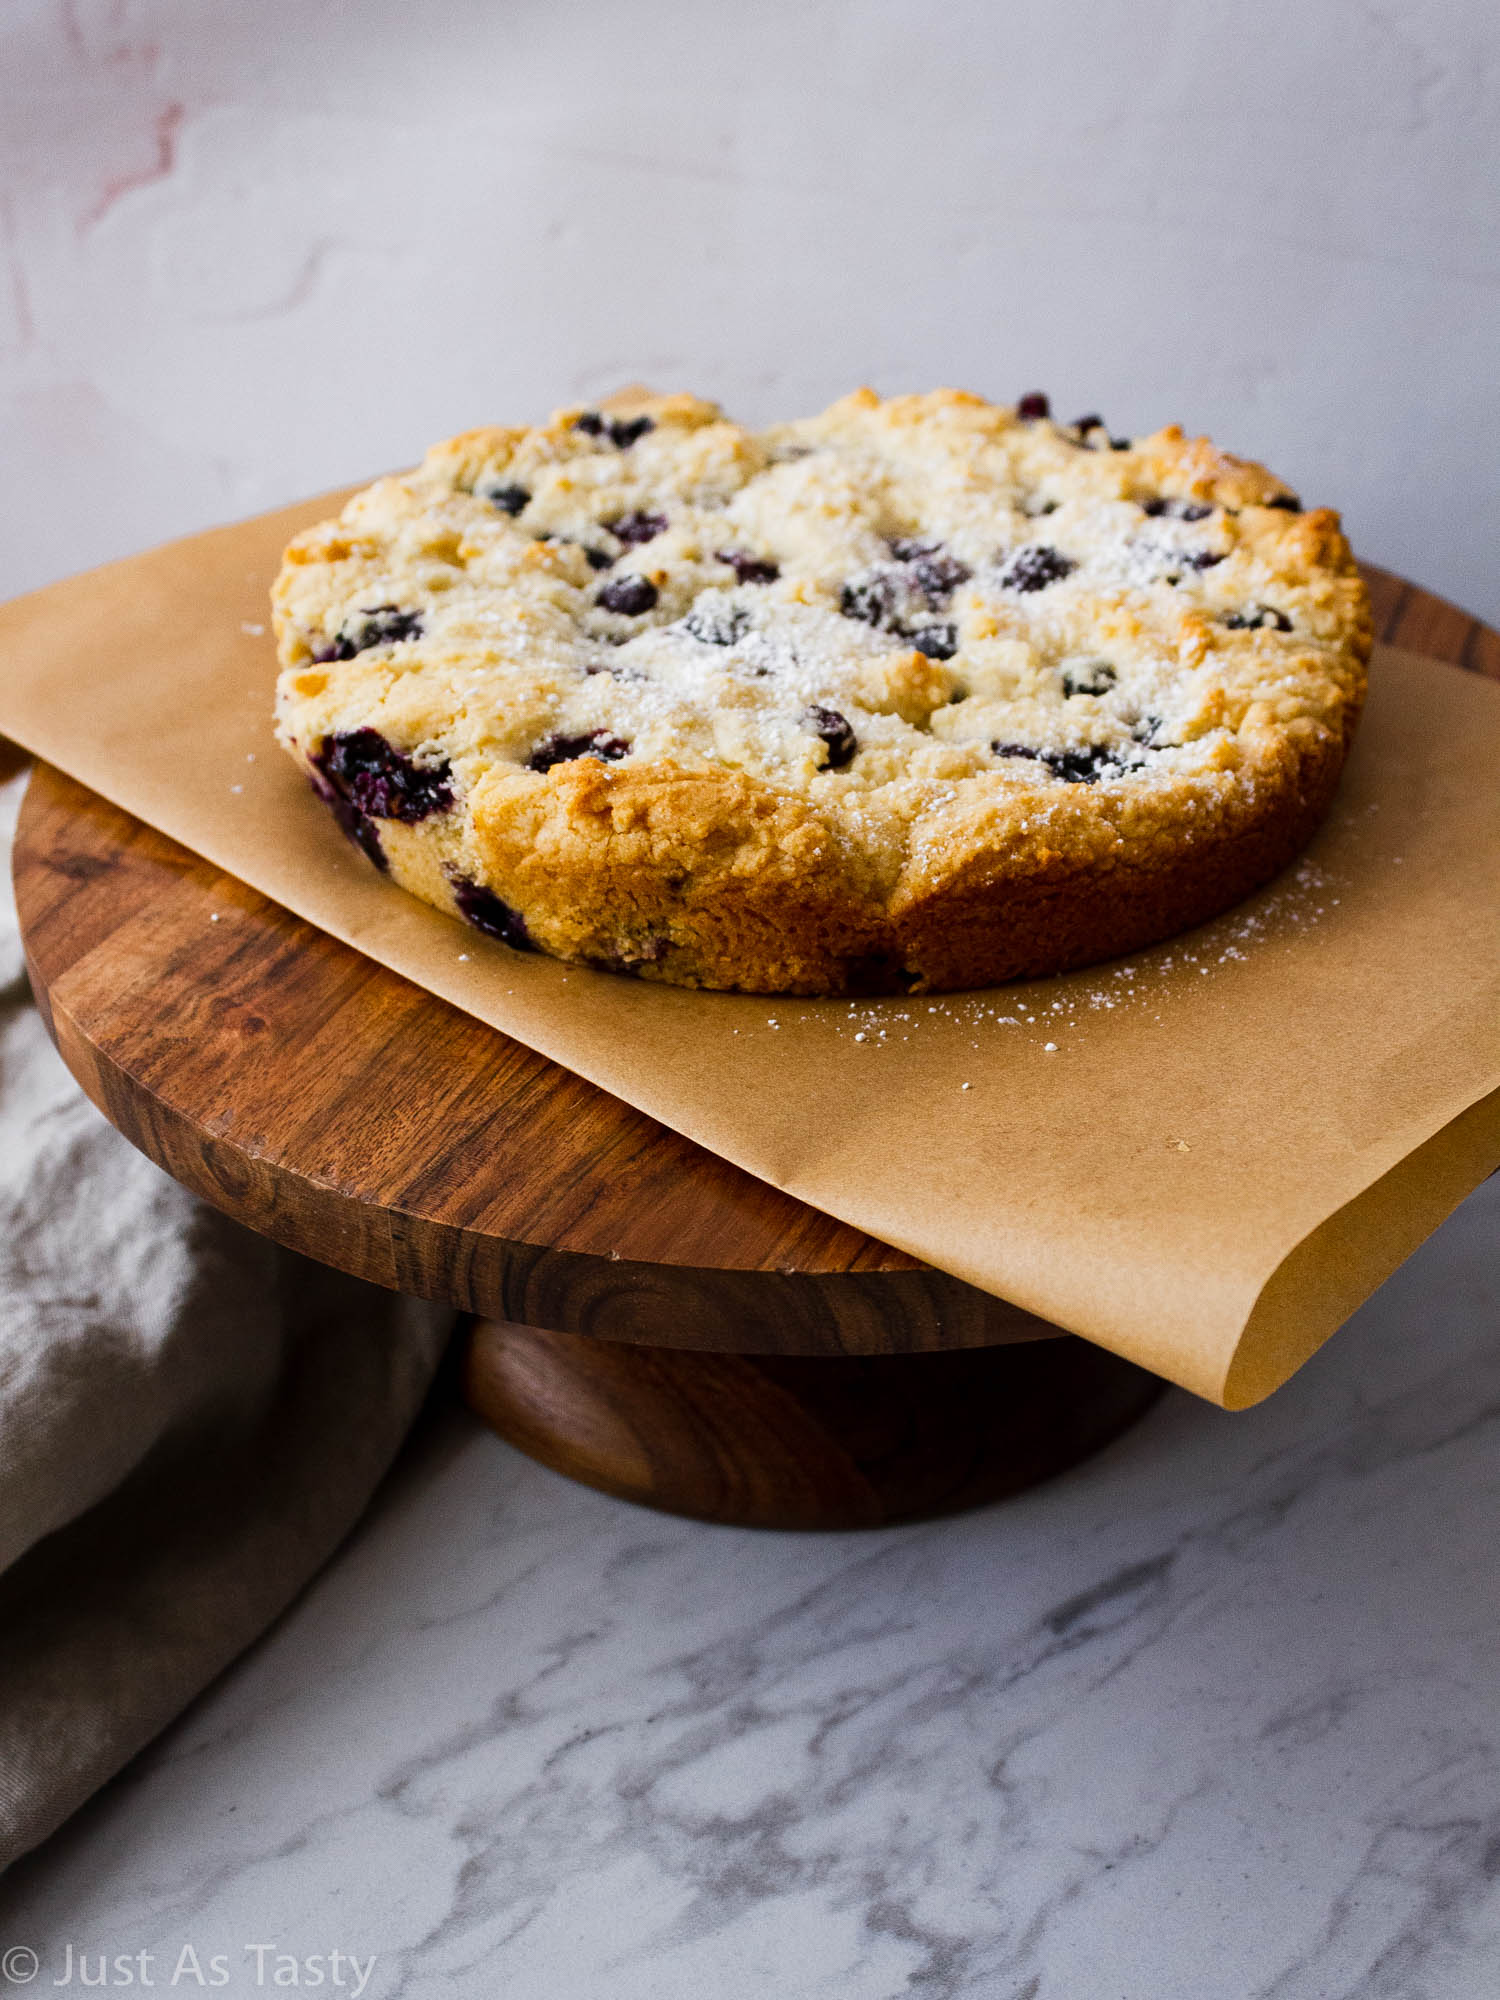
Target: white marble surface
{"type": "Point", "coordinates": [248, 252]}
{"type": "Point", "coordinates": [1215, 1717]}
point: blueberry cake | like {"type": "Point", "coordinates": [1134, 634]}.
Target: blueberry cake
{"type": "Point", "coordinates": [923, 693]}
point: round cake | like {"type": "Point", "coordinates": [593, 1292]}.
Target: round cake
{"type": "Point", "coordinates": [917, 694]}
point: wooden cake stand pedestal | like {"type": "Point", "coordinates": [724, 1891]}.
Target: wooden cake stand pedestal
{"type": "Point", "coordinates": [652, 1320]}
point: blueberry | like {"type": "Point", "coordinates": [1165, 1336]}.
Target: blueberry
{"type": "Point", "coordinates": [1089, 677]}
{"type": "Point", "coordinates": [509, 499]}
{"type": "Point", "coordinates": [748, 568]}
{"type": "Point", "coordinates": [625, 432]}
{"type": "Point", "coordinates": [595, 558]}
{"type": "Point", "coordinates": [1084, 767]}
{"type": "Point", "coordinates": [937, 577]}
{"type": "Point", "coordinates": [938, 642]}
{"type": "Point", "coordinates": [1202, 559]}
{"type": "Point", "coordinates": [381, 625]}
{"type": "Point", "coordinates": [834, 729]}
{"type": "Point", "coordinates": [724, 625]}
{"type": "Point", "coordinates": [1288, 502]}
{"type": "Point", "coordinates": [1035, 566]}
{"type": "Point", "coordinates": [629, 595]}
{"type": "Point", "coordinates": [871, 601]}
{"type": "Point", "coordinates": [1033, 406]}
{"type": "Point", "coordinates": [1085, 426]}
{"type": "Point", "coordinates": [365, 835]}
{"type": "Point", "coordinates": [1080, 767]}
{"type": "Point", "coordinates": [1256, 617]}
{"type": "Point", "coordinates": [637, 527]}
{"type": "Point", "coordinates": [566, 749]}
{"type": "Point", "coordinates": [381, 782]}
{"type": "Point", "coordinates": [621, 431]}
{"type": "Point", "coordinates": [935, 572]}
{"type": "Point", "coordinates": [487, 913]}
{"type": "Point", "coordinates": [387, 626]}
{"type": "Point", "coordinates": [363, 832]}
{"type": "Point", "coordinates": [1177, 510]}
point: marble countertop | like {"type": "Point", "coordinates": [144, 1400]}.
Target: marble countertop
{"type": "Point", "coordinates": [1216, 1716]}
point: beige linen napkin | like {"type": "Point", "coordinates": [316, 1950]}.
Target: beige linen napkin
{"type": "Point", "coordinates": [191, 1419]}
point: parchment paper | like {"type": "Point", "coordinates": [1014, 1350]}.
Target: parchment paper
{"type": "Point", "coordinates": [1203, 1157]}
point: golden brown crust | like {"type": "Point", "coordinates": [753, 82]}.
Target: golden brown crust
{"type": "Point", "coordinates": [999, 814]}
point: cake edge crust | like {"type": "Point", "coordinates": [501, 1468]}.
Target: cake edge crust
{"type": "Point", "coordinates": [584, 858]}
{"type": "Point", "coordinates": [716, 880]}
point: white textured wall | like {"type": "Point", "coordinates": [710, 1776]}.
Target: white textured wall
{"type": "Point", "coordinates": [249, 250]}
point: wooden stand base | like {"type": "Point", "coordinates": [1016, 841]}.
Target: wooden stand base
{"type": "Point", "coordinates": [772, 1441]}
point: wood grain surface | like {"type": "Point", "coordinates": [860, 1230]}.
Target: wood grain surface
{"type": "Point", "coordinates": [347, 1113]}
{"type": "Point", "coordinates": [798, 1441]}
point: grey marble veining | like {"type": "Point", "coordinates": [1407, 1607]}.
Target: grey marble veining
{"type": "Point", "coordinates": [1216, 1717]}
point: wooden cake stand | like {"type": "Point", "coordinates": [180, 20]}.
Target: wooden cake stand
{"type": "Point", "coordinates": [653, 1320]}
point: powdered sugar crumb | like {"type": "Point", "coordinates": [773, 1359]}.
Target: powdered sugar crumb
{"type": "Point", "coordinates": [1274, 920]}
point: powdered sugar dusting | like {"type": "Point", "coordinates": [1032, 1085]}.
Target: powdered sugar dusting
{"type": "Point", "coordinates": [1049, 1016]}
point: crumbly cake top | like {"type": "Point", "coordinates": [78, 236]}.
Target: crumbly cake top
{"type": "Point", "coordinates": [881, 608]}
